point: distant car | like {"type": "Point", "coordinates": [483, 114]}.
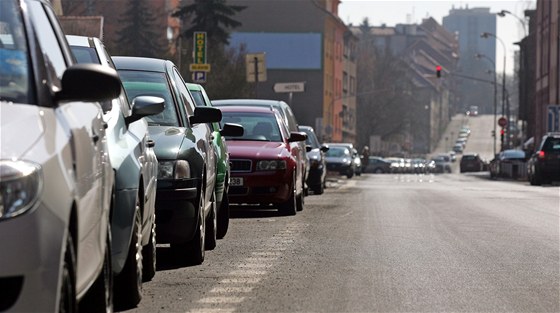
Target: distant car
{"type": "Point", "coordinates": [316, 180]}
{"type": "Point", "coordinates": [508, 163]}
{"type": "Point", "coordinates": [419, 166]}
{"type": "Point", "coordinates": [397, 164]}
{"type": "Point", "coordinates": [291, 122]}
{"type": "Point", "coordinates": [473, 111]}
{"type": "Point", "coordinates": [458, 148]}
{"type": "Point", "coordinates": [357, 162]}
{"type": "Point", "coordinates": [471, 163]}
{"type": "Point", "coordinates": [339, 160]}
{"type": "Point", "coordinates": [185, 202]}
{"type": "Point", "coordinates": [222, 158]}
{"type": "Point", "coordinates": [56, 178]}
{"type": "Point", "coordinates": [442, 164]}
{"type": "Point", "coordinates": [377, 165]}
{"type": "Point", "coordinates": [263, 162]}
{"type": "Point", "coordinates": [135, 164]}
{"type": "Point", "coordinates": [544, 165]}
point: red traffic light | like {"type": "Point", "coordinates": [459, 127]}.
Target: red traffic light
{"type": "Point", "coordinates": [438, 71]}
{"type": "Point", "coordinates": [502, 131]}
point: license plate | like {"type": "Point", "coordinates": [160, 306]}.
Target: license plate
{"type": "Point", "coordinates": [236, 181]}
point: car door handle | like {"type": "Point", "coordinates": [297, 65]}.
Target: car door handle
{"type": "Point", "coordinates": [150, 143]}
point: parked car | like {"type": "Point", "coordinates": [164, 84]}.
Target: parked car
{"type": "Point", "coordinates": [377, 165]}
{"type": "Point", "coordinates": [397, 164]}
{"type": "Point", "coordinates": [263, 162]}
{"type": "Point", "coordinates": [471, 163]}
{"type": "Point", "coordinates": [354, 155]}
{"type": "Point", "coordinates": [317, 178]}
{"type": "Point", "coordinates": [508, 163]}
{"type": "Point", "coordinates": [135, 165]}
{"type": "Point", "coordinates": [442, 164]}
{"type": "Point", "coordinates": [544, 165]}
{"type": "Point", "coordinates": [222, 158]}
{"type": "Point", "coordinates": [55, 176]}
{"type": "Point", "coordinates": [339, 160]}
{"type": "Point", "coordinates": [290, 121]}
{"type": "Point", "coordinates": [185, 201]}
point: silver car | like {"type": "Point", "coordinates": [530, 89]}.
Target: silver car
{"type": "Point", "coordinates": [136, 166]}
{"type": "Point", "coordinates": [55, 173]}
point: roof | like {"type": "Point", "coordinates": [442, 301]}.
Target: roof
{"type": "Point", "coordinates": [250, 109]}
{"type": "Point", "coordinates": [248, 102]}
{"type": "Point", "coordinates": [140, 63]}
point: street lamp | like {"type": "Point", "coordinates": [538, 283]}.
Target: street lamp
{"type": "Point", "coordinates": [503, 13]}
{"type": "Point", "coordinates": [480, 56]}
{"type": "Point", "coordinates": [486, 35]}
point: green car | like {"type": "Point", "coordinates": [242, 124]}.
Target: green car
{"type": "Point", "coordinates": [222, 158]}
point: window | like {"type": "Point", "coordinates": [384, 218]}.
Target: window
{"type": "Point", "coordinates": [188, 101]}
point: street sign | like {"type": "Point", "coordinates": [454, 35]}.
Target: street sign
{"type": "Point", "coordinates": [200, 47]}
{"type": "Point", "coordinates": [502, 121]}
{"type": "Point", "coordinates": [289, 87]}
{"type": "Point", "coordinates": [199, 67]}
{"type": "Point", "coordinates": [199, 77]}
{"type": "Point", "coordinates": [255, 67]}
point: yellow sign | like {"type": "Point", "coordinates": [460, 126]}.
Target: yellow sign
{"type": "Point", "coordinates": [199, 67]}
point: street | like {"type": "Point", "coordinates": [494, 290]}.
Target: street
{"type": "Point", "coordinates": [381, 243]}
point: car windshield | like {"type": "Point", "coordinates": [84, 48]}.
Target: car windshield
{"type": "Point", "coordinates": [338, 152]}
{"type": "Point", "coordinates": [257, 126]}
{"type": "Point", "coordinates": [198, 98]}
{"type": "Point", "coordinates": [85, 55]}
{"type": "Point", "coordinates": [139, 83]}
{"type": "Point", "coordinates": [311, 138]}
{"type": "Point", "coordinates": [14, 67]}
{"type": "Point", "coordinates": [551, 145]}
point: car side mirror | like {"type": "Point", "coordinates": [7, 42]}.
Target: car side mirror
{"type": "Point", "coordinates": [297, 136]}
{"type": "Point", "coordinates": [205, 115]}
{"type": "Point", "coordinates": [232, 130]}
{"type": "Point", "coordinates": [324, 148]}
{"type": "Point", "coordinates": [145, 106]}
{"type": "Point", "coordinates": [308, 148]}
{"type": "Point", "coordinates": [89, 82]}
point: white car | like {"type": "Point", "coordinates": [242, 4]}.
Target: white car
{"type": "Point", "coordinates": [55, 174]}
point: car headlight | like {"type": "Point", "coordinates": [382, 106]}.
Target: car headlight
{"type": "Point", "coordinates": [346, 161]}
{"type": "Point", "coordinates": [21, 184]}
{"type": "Point", "coordinates": [179, 169]}
{"type": "Point", "coordinates": [271, 165]}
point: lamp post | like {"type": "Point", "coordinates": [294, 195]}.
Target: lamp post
{"type": "Point", "coordinates": [482, 56]}
{"type": "Point", "coordinates": [486, 35]}
{"type": "Point", "coordinates": [503, 13]}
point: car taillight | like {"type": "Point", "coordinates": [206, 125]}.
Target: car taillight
{"type": "Point", "coordinates": [541, 154]}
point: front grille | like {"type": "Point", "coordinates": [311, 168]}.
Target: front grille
{"type": "Point", "coordinates": [237, 166]}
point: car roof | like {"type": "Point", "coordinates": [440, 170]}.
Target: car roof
{"type": "Point", "coordinates": [193, 86]}
{"type": "Point", "coordinates": [248, 102]}
{"type": "Point", "coordinates": [252, 109]}
{"type": "Point", "coordinates": [81, 41]}
{"type": "Point", "coordinates": [140, 63]}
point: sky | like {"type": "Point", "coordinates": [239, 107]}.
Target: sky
{"type": "Point", "coordinates": [392, 12]}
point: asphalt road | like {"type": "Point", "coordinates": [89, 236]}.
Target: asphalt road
{"type": "Point", "coordinates": [381, 243]}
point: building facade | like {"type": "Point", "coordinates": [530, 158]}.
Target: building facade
{"type": "Point", "coordinates": [468, 24]}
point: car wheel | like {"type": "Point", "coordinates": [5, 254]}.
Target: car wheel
{"type": "Point", "coordinates": [149, 256]}
{"type": "Point", "coordinates": [223, 218]}
{"type": "Point", "coordinates": [67, 301]}
{"type": "Point", "coordinates": [319, 189]}
{"type": "Point", "coordinates": [289, 207]}
{"type": "Point", "coordinates": [378, 171]}
{"type": "Point", "coordinates": [100, 296]}
{"type": "Point", "coordinates": [300, 201]}
{"type": "Point", "coordinates": [211, 226]}
{"type": "Point", "coordinates": [128, 284]}
{"type": "Point", "coordinates": [536, 180]}
{"type": "Point", "coordinates": [195, 250]}
{"type": "Point", "coordinates": [350, 173]}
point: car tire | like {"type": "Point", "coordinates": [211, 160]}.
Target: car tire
{"type": "Point", "coordinates": [535, 179]}
{"type": "Point", "coordinates": [350, 174]}
{"type": "Point", "coordinates": [223, 218]}
{"type": "Point", "coordinates": [378, 171]}
{"type": "Point", "coordinates": [67, 300]}
{"type": "Point", "coordinates": [300, 201]}
{"type": "Point", "coordinates": [211, 226]}
{"type": "Point", "coordinates": [195, 249]}
{"type": "Point", "coordinates": [149, 256]}
{"type": "Point", "coordinates": [128, 283]}
{"type": "Point", "coordinates": [289, 207]}
{"type": "Point", "coordinates": [99, 298]}
{"type": "Point", "coordinates": [319, 189]}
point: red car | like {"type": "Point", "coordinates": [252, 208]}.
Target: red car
{"type": "Point", "coordinates": [263, 164]}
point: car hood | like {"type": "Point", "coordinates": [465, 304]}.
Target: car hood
{"type": "Point", "coordinates": [21, 126]}
{"type": "Point", "coordinates": [255, 149]}
{"type": "Point", "coordinates": [168, 141]}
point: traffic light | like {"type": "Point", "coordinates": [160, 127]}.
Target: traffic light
{"type": "Point", "coordinates": [502, 131]}
{"type": "Point", "coordinates": [438, 71]}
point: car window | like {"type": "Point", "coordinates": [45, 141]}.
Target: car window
{"type": "Point", "coordinates": [258, 126]}
{"type": "Point", "coordinates": [55, 63]}
{"type": "Point", "coordinates": [188, 101]}
{"type": "Point", "coordinates": [85, 55]}
{"type": "Point", "coordinates": [552, 144]}
{"type": "Point", "coordinates": [291, 119]}
{"type": "Point", "coordinates": [140, 83]}
{"type": "Point", "coordinates": [311, 138]}
{"type": "Point", "coordinates": [14, 65]}
{"type": "Point", "coordinates": [337, 152]}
